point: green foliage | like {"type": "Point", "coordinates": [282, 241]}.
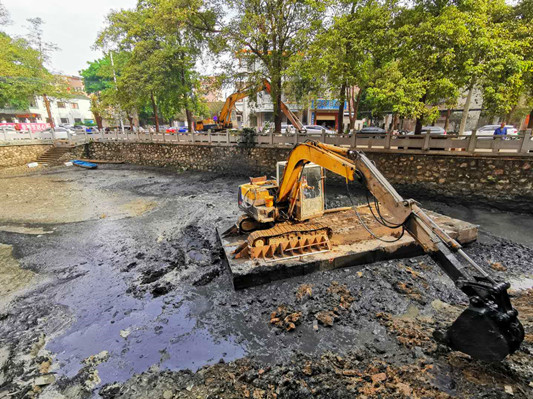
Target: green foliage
{"type": "Point", "coordinates": [267, 35]}
{"type": "Point", "coordinates": [163, 40]}
{"type": "Point", "coordinates": [23, 74]}
{"type": "Point", "coordinates": [20, 72]}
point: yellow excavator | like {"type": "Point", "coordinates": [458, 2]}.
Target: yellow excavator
{"type": "Point", "coordinates": [278, 222]}
{"type": "Point", "coordinates": [223, 120]}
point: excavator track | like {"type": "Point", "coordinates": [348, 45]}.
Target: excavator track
{"type": "Point", "coordinates": [286, 240]}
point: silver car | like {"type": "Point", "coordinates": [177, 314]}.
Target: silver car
{"type": "Point", "coordinates": [488, 130]}
{"type": "Point", "coordinates": [431, 130]}
{"type": "Point", "coordinates": [315, 130]}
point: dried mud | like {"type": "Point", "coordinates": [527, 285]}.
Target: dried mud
{"type": "Point", "coordinates": [140, 303]}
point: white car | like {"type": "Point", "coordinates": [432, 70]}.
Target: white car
{"type": "Point", "coordinates": [316, 130]}
{"type": "Point", "coordinates": [60, 133]}
{"type": "Point", "coordinates": [287, 129]}
{"type": "Point", "coordinates": [488, 130]}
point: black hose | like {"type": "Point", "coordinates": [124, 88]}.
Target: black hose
{"type": "Point", "coordinates": [379, 221]}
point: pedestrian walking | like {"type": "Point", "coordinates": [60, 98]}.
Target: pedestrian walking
{"type": "Point", "coordinates": [501, 131]}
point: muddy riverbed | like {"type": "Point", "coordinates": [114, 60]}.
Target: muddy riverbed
{"type": "Point", "coordinates": [114, 285]}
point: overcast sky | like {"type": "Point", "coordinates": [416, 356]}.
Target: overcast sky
{"type": "Point", "coordinates": [71, 24]}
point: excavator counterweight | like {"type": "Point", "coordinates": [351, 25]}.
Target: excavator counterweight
{"type": "Point", "coordinates": [284, 218]}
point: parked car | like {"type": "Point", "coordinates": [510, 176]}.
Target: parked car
{"type": "Point", "coordinates": [316, 130]}
{"type": "Point", "coordinates": [488, 130]}
{"type": "Point", "coordinates": [287, 129]}
{"type": "Point", "coordinates": [431, 130]}
{"type": "Point", "coordinates": [113, 128]}
{"type": "Point", "coordinates": [182, 129]}
{"type": "Point", "coordinates": [60, 133]}
{"type": "Point", "coordinates": [372, 130]}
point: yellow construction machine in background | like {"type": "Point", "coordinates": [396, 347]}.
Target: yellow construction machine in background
{"type": "Point", "coordinates": [223, 120]}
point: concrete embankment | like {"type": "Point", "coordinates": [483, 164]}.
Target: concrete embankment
{"type": "Point", "coordinates": [504, 182]}
{"type": "Point", "coordinates": [16, 155]}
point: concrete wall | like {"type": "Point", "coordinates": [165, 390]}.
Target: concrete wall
{"type": "Point", "coordinates": [498, 181]}
{"type": "Point", "coordinates": [15, 155]}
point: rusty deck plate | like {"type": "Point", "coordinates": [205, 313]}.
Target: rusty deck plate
{"type": "Point", "coordinates": [352, 246]}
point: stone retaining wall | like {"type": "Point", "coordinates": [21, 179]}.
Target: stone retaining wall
{"type": "Point", "coordinates": [498, 181]}
{"type": "Point", "coordinates": [16, 155]}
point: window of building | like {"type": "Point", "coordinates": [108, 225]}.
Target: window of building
{"type": "Point", "coordinates": [64, 120]}
{"type": "Point", "coordinates": [61, 105]}
{"type": "Point", "coordinates": [74, 106]}
{"type": "Point", "coordinates": [77, 120]}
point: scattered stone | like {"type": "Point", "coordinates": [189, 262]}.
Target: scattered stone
{"type": "Point", "coordinates": [351, 373]}
{"type": "Point", "coordinates": [498, 266]}
{"type": "Point", "coordinates": [404, 389]}
{"type": "Point", "coordinates": [285, 318]}
{"type": "Point", "coordinates": [124, 333]}
{"type": "Point", "coordinates": [44, 367]}
{"type": "Point", "coordinates": [509, 390]}
{"type": "Point", "coordinates": [326, 318]}
{"type": "Point", "coordinates": [342, 293]}
{"type": "Point", "coordinates": [380, 377]}
{"type": "Point", "coordinates": [315, 325]}
{"type": "Point", "coordinates": [46, 379]}
{"type": "Point", "coordinates": [167, 395]}
{"type": "Point", "coordinates": [95, 360]}
{"type": "Point", "coordinates": [304, 291]}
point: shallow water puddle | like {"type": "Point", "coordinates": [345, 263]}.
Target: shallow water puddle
{"type": "Point", "coordinates": [137, 333]}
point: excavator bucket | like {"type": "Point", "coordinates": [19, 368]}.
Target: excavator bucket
{"type": "Point", "coordinates": [484, 334]}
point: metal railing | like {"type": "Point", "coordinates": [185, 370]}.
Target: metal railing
{"type": "Point", "coordinates": [521, 144]}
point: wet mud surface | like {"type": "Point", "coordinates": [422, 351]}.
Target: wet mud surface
{"type": "Point", "coordinates": [139, 302]}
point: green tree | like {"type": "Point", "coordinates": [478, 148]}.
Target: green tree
{"type": "Point", "coordinates": [51, 86]}
{"type": "Point", "coordinates": [165, 39]}
{"type": "Point", "coordinates": [348, 52]}
{"type": "Point", "coordinates": [266, 35]}
{"type": "Point", "coordinates": [20, 72]}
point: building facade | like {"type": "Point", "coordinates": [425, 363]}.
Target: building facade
{"type": "Point", "coordinates": [69, 111]}
{"type": "Point", "coordinates": [257, 113]}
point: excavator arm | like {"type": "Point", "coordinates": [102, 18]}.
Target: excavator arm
{"type": "Point", "coordinates": [489, 328]}
{"type": "Point", "coordinates": [224, 117]}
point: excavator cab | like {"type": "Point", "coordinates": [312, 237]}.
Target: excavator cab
{"type": "Point", "coordinates": [309, 194]}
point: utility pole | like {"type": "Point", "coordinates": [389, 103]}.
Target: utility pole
{"type": "Point", "coordinates": [116, 88]}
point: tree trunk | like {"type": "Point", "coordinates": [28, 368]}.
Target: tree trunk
{"type": "Point", "coordinates": [466, 109]}
{"type": "Point", "coordinates": [356, 108]}
{"type": "Point", "coordinates": [188, 113]}
{"type": "Point", "coordinates": [154, 107]}
{"type": "Point", "coordinates": [394, 122]}
{"type": "Point", "coordinates": [418, 127]}
{"type": "Point", "coordinates": [447, 120]}
{"type": "Point", "coordinates": [135, 116]}
{"type": "Point", "coordinates": [276, 100]}
{"type": "Point", "coordinates": [340, 115]}
{"type": "Point", "coordinates": [49, 111]}
{"type": "Point", "coordinates": [530, 122]}
{"type": "Point", "coordinates": [98, 118]}
{"type": "Point", "coordinates": [350, 108]}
